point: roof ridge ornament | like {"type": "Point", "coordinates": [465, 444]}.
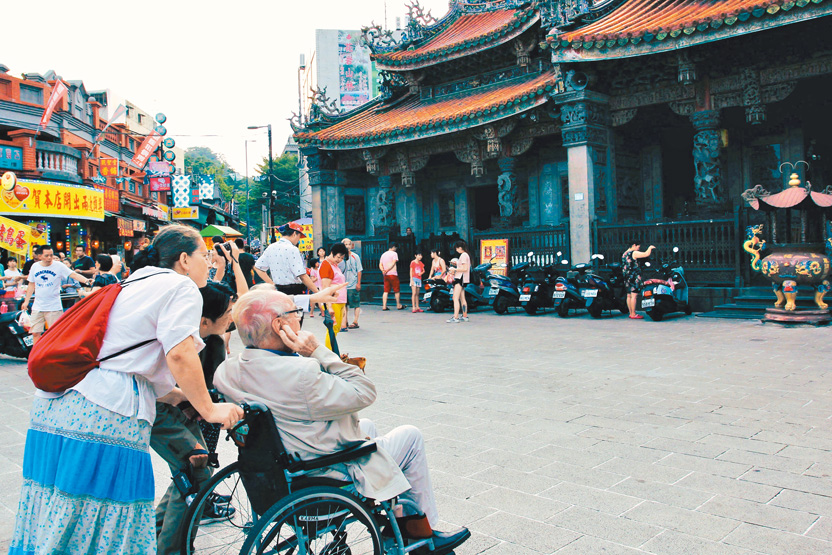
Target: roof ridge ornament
{"type": "Point", "coordinates": [420, 25]}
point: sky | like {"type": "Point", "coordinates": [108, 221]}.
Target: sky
{"type": "Point", "coordinates": [213, 68]}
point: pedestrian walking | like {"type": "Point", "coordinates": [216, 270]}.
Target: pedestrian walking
{"type": "Point", "coordinates": [46, 277]}
{"type": "Point", "coordinates": [87, 475]}
{"type": "Point", "coordinates": [632, 275]}
{"type": "Point", "coordinates": [352, 268]}
{"type": "Point", "coordinates": [285, 263]}
{"type": "Point", "coordinates": [70, 288]}
{"type": "Point", "coordinates": [416, 271]}
{"type": "Point", "coordinates": [118, 265]}
{"type": "Point", "coordinates": [462, 276]}
{"type": "Point", "coordinates": [387, 265]}
{"type": "Point", "coordinates": [13, 278]}
{"type": "Point", "coordinates": [331, 275]}
{"type": "Point", "coordinates": [27, 266]}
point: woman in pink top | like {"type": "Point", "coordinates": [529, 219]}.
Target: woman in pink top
{"type": "Point", "coordinates": [462, 276]}
{"type": "Point", "coordinates": [332, 275]}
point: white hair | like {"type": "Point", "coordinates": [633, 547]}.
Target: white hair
{"type": "Point", "coordinates": [255, 311]}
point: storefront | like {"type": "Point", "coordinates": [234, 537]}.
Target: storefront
{"type": "Point", "coordinates": [60, 214]}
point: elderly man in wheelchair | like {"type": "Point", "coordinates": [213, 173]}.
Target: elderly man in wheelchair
{"type": "Point", "coordinates": [325, 482]}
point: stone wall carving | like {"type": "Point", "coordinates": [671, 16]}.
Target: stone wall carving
{"type": "Point", "coordinates": [620, 117]}
{"type": "Point", "coordinates": [506, 187]}
{"type": "Point", "coordinates": [755, 110]}
{"type": "Point", "coordinates": [708, 177]}
{"type": "Point", "coordinates": [386, 204]}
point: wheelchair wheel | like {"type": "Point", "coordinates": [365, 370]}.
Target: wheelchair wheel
{"type": "Point", "coordinates": [319, 520]}
{"type": "Point", "coordinates": [220, 516]}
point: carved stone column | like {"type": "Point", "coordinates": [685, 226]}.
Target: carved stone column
{"type": "Point", "coordinates": [327, 189]}
{"type": "Point", "coordinates": [586, 121]}
{"type": "Point", "coordinates": [507, 191]}
{"type": "Point", "coordinates": [385, 217]}
{"type": "Point", "coordinates": [708, 178]}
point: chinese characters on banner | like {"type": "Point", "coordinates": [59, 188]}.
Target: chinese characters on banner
{"type": "Point", "coordinates": [108, 167]}
{"type": "Point", "coordinates": [354, 70]}
{"type": "Point", "coordinates": [186, 213]}
{"type": "Point", "coordinates": [47, 198]}
{"type": "Point", "coordinates": [159, 176]}
{"type": "Point", "coordinates": [498, 250]}
{"type": "Point", "coordinates": [125, 227]}
{"type": "Point", "coordinates": [305, 244]}
{"type": "Point", "coordinates": [14, 236]}
{"type": "Point", "coordinates": [150, 144]}
{"type": "Point", "coordinates": [111, 199]}
{"type": "Point", "coordinates": [11, 157]}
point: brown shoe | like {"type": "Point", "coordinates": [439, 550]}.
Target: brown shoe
{"type": "Point", "coordinates": [412, 527]}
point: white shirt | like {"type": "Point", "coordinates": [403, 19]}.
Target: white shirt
{"type": "Point", "coordinates": [19, 288]}
{"type": "Point", "coordinates": [284, 261]}
{"type": "Point", "coordinates": [47, 280]}
{"type": "Point", "coordinates": [167, 307]}
{"type": "Point", "coordinates": [351, 267]}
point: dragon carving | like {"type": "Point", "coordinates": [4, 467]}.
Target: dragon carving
{"type": "Point", "coordinates": [754, 244]}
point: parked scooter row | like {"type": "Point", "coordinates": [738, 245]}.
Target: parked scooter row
{"type": "Point", "coordinates": [565, 288]}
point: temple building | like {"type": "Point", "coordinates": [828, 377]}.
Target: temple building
{"type": "Point", "coordinates": [578, 126]}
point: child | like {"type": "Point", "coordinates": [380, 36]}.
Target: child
{"type": "Point", "coordinates": [312, 266]}
{"type": "Point", "coordinates": [416, 271]}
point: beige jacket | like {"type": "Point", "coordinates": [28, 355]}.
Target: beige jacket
{"type": "Point", "coordinates": [315, 403]}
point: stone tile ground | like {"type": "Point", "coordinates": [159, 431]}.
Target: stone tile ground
{"type": "Point", "coordinates": [578, 436]}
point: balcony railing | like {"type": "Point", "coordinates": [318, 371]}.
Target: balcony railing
{"type": "Point", "coordinates": [58, 161]}
{"type": "Point", "coordinates": [709, 250]}
{"type": "Point", "coordinates": [545, 242]}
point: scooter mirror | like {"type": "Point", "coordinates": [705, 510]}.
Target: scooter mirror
{"type": "Point", "coordinates": [531, 254]}
{"type": "Point", "coordinates": [560, 253]}
{"type": "Point", "coordinates": [564, 262]}
{"type": "Point", "coordinates": [675, 249]}
{"type": "Point", "coordinates": [503, 265]}
{"type": "Point", "coordinates": [647, 264]}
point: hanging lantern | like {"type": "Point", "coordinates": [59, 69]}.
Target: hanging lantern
{"type": "Point", "coordinates": [408, 178]}
{"type": "Point", "coordinates": [477, 168]}
{"type": "Point", "coordinates": [494, 145]}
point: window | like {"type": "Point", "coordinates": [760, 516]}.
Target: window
{"type": "Point", "coordinates": [447, 209]}
{"type": "Point", "coordinates": [154, 195]}
{"type": "Point", "coordinates": [5, 88]}
{"type": "Point", "coordinates": [140, 190]}
{"type": "Point", "coordinates": [32, 95]}
{"type": "Point", "coordinates": [131, 187]}
{"type": "Point", "coordinates": [354, 209]}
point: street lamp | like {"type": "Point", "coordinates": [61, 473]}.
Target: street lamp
{"type": "Point", "coordinates": [271, 180]}
{"type": "Point", "coordinates": [248, 202]}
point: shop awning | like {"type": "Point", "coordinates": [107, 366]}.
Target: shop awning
{"type": "Point", "coordinates": [214, 230]}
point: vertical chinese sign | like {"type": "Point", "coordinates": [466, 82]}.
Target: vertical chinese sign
{"type": "Point", "coordinates": [354, 71]}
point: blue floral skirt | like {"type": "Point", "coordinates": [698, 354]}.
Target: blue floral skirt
{"type": "Point", "coordinates": [87, 481]}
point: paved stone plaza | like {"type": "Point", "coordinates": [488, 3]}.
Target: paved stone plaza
{"type": "Point", "coordinates": [544, 435]}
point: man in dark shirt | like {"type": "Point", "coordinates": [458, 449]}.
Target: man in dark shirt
{"type": "Point", "coordinates": [27, 267]}
{"type": "Point", "coordinates": [246, 261]}
{"type": "Point", "coordinates": [83, 264]}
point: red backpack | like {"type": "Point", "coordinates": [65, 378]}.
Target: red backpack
{"type": "Point", "coordinates": [69, 349]}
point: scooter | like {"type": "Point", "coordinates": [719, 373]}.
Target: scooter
{"type": "Point", "coordinates": [14, 338]}
{"type": "Point", "coordinates": [505, 290]}
{"type": "Point", "coordinates": [537, 285]}
{"type": "Point", "coordinates": [476, 294]}
{"type": "Point", "coordinates": [567, 293]}
{"type": "Point", "coordinates": [600, 294]}
{"type": "Point", "coordinates": [666, 293]}
{"type": "Point", "coordinates": [439, 294]}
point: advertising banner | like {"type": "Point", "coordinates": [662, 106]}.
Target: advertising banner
{"type": "Point", "coordinates": [498, 250]}
{"type": "Point", "coordinates": [14, 236]}
{"type": "Point", "coordinates": [149, 145]}
{"type": "Point", "coordinates": [108, 167]}
{"type": "Point", "coordinates": [140, 225]}
{"type": "Point", "coordinates": [58, 91]}
{"type": "Point", "coordinates": [125, 227]}
{"type": "Point", "coordinates": [186, 213]}
{"type": "Point", "coordinates": [111, 199]}
{"type": "Point", "coordinates": [305, 244]}
{"type": "Point", "coordinates": [354, 70]}
{"type": "Point", "coordinates": [11, 157]}
{"type": "Point", "coordinates": [46, 198]}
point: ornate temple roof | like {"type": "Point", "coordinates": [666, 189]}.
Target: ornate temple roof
{"type": "Point", "coordinates": [461, 34]}
{"type": "Point", "coordinates": [640, 27]}
{"type": "Point", "coordinates": [418, 118]}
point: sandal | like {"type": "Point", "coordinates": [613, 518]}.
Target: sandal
{"type": "Point", "coordinates": [637, 317]}
{"type": "Point", "coordinates": [400, 307]}
{"type": "Point", "coordinates": [344, 329]}
{"type": "Point", "coordinates": [385, 309]}
{"type": "Point", "coordinates": [353, 326]}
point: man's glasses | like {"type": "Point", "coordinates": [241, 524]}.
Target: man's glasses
{"type": "Point", "coordinates": [296, 310]}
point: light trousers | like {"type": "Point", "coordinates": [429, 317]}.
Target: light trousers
{"type": "Point", "coordinates": [407, 447]}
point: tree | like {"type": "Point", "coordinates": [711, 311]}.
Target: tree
{"type": "Point", "coordinates": [201, 160]}
{"type": "Point", "coordinates": [287, 198]}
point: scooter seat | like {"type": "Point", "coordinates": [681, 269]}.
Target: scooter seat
{"type": "Point", "coordinates": [656, 282]}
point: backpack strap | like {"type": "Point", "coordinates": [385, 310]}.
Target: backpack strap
{"type": "Point", "coordinates": [137, 345]}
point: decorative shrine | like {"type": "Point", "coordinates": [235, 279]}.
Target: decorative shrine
{"type": "Point", "coordinates": [577, 126]}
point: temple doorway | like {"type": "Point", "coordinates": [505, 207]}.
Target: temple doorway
{"type": "Point", "coordinates": [486, 208]}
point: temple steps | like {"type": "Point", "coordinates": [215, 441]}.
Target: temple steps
{"type": "Point", "coordinates": [751, 303]}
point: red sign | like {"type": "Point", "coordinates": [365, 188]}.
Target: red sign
{"type": "Point", "coordinates": [108, 167]}
{"type": "Point", "coordinates": [111, 198]}
{"type": "Point", "coordinates": [159, 183]}
{"type": "Point", "coordinates": [151, 143]}
{"type": "Point", "coordinates": [125, 227]}
{"type": "Point", "coordinates": [57, 92]}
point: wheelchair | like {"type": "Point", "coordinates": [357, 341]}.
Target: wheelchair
{"type": "Point", "coordinates": [282, 507]}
